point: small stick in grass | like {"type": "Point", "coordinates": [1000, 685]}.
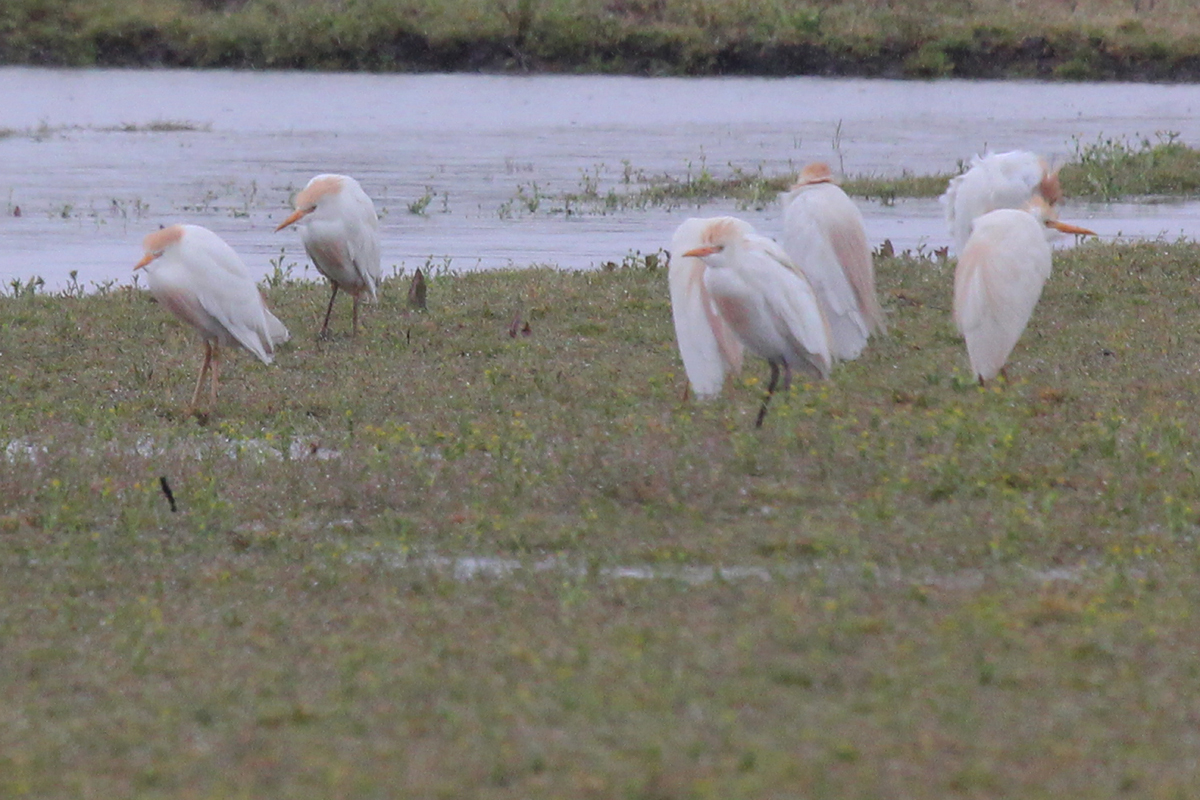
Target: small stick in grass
{"type": "Point", "coordinates": [166, 490]}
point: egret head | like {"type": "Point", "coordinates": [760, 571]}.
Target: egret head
{"type": "Point", "coordinates": [720, 239]}
{"type": "Point", "coordinates": [816, 172]}
{"type": "Point", "coordinates": [309, 198]}
{"type": "Point", "coordinates": [157, 243]}
{"type": "Point", "coordinates": [1046, 214]}
{"type": "Point", "coordinates": [1050, 189]}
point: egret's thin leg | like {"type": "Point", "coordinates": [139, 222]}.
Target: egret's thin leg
{"type": "Point", "coordinates": [328, 311]}
{"type": "Point", "coordinates": [203, 372]}
{"type": "Point", "coordinates": [216, 374]}
{"type": "Point", "coordinates": [355, 328]}
{"type": "Point", "coordinates": [762, 412]}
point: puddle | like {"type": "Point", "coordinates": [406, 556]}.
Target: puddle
{"type": "Point", "coordinates": [469, 568]}
{"type": "Point", "coordinates": [105, 156]}
{"type": "Point", "coordinates": [299, 449]}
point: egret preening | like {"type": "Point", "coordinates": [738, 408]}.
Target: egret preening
{"type": "Point", "coordinates": [999, 279]}
{"type": "Point", "coordinates": [824, 236]}
{"type": "Point", "coordinates": [196, 275]}
{"type": "Point", "coordinates": [997, 180]}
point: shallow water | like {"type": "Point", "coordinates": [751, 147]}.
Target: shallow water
{"type": "Point", "coordinates": [92, 173]}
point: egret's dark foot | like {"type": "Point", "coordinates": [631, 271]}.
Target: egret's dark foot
{"type": "Point", "coordinates": [762, 414]}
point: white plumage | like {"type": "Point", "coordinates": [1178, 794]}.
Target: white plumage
{"type": "Point", "coordinates": [340, 231]}
{"type": "Point", "coordinates": [709, 348]}
{"type": "Point", "coordinates": [824, 235]}
{"type": "Point", "coordinates": [999, 279]}
{"type": "Point", "coordinates": [768, 304]}
{"type": "Point", "coordinates": [199, 277]}
{"type": "Point", "coordinates": [996, 180]}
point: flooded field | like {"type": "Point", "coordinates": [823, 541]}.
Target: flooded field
{"type": "Point", "coordinates": [467, 170]}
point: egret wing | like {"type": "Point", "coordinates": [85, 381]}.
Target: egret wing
{"type": "Point", "coordinates": [998, 281]}
{"type": "Point", "coordinates": [995, 180]}
{"type": "Point", "coordinates": [792, 303]}
{"type": "Point", "coordinates": [817, 239]}
{"type": "Point", "coordinates": [225, 291]}
{"type": "Point", "coordinates": [709, 348]}
{"type": "Point", "coordinates": [848, 237]}
{"type": "Point", "coordinates": [362, 237]}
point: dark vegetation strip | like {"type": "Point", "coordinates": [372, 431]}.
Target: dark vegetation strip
{"type": "Point", "coordinates": [920, 40]}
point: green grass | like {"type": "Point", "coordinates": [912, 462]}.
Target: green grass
{"type": "Point", "coordinates": [1105, 170]}
{"type": "Point", "coordinates": [1084, 39]}
{"type": "Point", "coordinates": [994, 588]}
{"type": "Point", "coordinates": [1109, 169]}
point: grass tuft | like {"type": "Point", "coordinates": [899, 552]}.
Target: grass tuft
{"type": "Point", "coordinates": [1109, 169]}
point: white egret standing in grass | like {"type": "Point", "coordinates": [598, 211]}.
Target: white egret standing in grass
{"type": "Point", "coordinates": [765, 301]}
{"type": "Point", "coordinates": [997, 180]}
{"type": "Point", "coordinates": [196, 275]}
{"type": "Point", "coordinates": [340, 231]}
{"type": "Point", "coordinates": [999, 279]}
{"type": "Point", "coordinates": [823, 234]}
{"type": "Point", "coordinates": [709, 348]}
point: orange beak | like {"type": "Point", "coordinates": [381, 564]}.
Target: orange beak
{"type": "Point", "coordinates": [296, 215]}
{"type": "Point", "coordinates": [146, 259]}
{"type": "Point", "coordinates": [1067, 228]}
{"type": "Point", "coordinates": [700, 252]}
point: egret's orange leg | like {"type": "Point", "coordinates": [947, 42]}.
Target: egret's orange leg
{"type": "Point", "coordinates": [203, 372]}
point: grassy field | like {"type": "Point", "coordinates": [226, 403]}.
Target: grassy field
{"type": "Point", "coordinates": [447, 561]}
{"type": "Point", "coordinates": [1080, 39]}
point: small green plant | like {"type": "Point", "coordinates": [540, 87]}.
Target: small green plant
{"type": "Point", "coordinates": [281, 270]}
{"type": "Point", "coordinates": [419, 205]}
{"type": "Point", "coordinates": [531, 198]}
{"type": "Point", "coordinates": [635, 259]}
{"type": "Point", "coordinates": [18, 289]}
{"type": "Point", "coordinates": [73, 287]}
{"type": "Point", "coordinates": [249, 194]}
